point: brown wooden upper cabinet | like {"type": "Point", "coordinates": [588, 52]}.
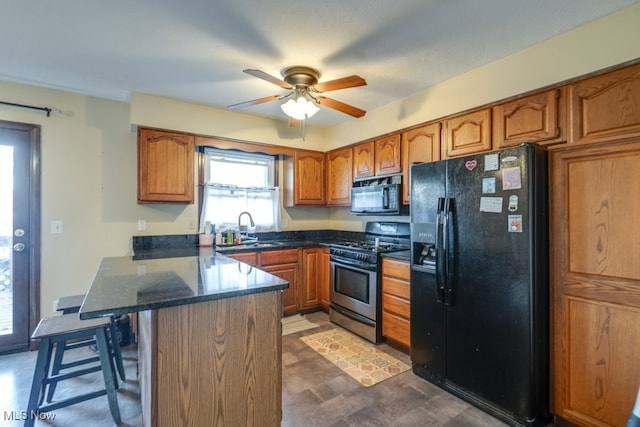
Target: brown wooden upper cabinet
{"type": "Point", "coordinates": [537, 118]}
{"type": "Point", "coordinates": [387, 155]}
{"type": "Point", "coordinates": [304, 179]}
{"type": "Point", "coordinates": [363, 160]}
{"type": "Point", "coordinates": [339, 176]}
{"type": "Point", "coordinates": [165, 166]}
{"type": "Point", "coordinates": [605, 107]}
{"type": "Point", "coordinates": [468, 133]}
{"type": "Point", "coordinates": [419, 145]}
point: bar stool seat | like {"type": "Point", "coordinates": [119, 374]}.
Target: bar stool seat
{"type": "Point", "coordinates": [72, 304]}
{"type": "Point", "coordinates": [56, 331]}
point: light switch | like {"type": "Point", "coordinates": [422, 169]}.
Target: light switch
{"type": "Point", "coordinates": [142, 225]}
{"type": "Point", "coordinates": [56, 227]}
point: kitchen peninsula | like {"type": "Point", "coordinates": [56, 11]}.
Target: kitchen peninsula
{"type": "Point", "coordinates": [209, 336]}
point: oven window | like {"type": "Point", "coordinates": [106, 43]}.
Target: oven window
{"type": "Point", "coordinates": [352, 283]}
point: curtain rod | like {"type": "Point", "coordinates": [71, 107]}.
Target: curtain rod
{"type": "Point", "coordinates": [45, 109]}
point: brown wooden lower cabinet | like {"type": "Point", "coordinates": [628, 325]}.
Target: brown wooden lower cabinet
{"type": "Point", "coordinates": [288, 272]}
{"type": "Point", "coordinates": [595, 273]}
{"type": "Point", "coordinates": [306, 270]}
{"type": "Point", "coordinates": [309, 290]}
{"type": "Point", "coordinates": [212, 363]}
{"type": "Point", "coordinates": [324, 280]}
{"type": "Point", "coordinates": [396, 318]}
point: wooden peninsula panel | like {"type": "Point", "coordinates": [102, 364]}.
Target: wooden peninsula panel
{"type": "Point", "coordinates": [213, 363]}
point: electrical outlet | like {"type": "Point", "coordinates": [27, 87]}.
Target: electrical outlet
{"type": "Point", "coordinates": [56, 227]}
{"type": "Point", "coordinates": [192, 224]}
{"type": "Point", "coordinates": [142, 225]}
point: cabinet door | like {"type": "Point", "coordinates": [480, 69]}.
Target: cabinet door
{"type": "Point", "coordinates": [324, 278]}
{"type": "Point", "coordinates": [606, 107]}
{"type": "Point", "coordinates": [309, 290]}
{"type": "Point", "coordinates": [339, 177]}
{"type": "Point", "coordinates": [288, 272]}
{"type": "Point", "coordinates": [284, 264]}
{"type": "Point", "coordinates": [419, 145]}
{"type": "Point", "coordinates": [387, 155]}
{"type": "Point", "coordinates": [165, 166]}
{"type": "Point", "coordinates": [535, 118]}
{"type": "Point", "coordinates": [595, 282]}
{"type": "Point", "coordinates": [308, 179]}
{"type": "Point", "coordinates": [468, 134]}
{"type": "Point", "coordinates": [363, 160]}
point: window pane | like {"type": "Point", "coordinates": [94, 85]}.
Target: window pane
{"type": "Point", "coordinates": [239, 174]}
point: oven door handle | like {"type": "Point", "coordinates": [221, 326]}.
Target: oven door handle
{"type": "Point", "coordinates": [352, 315]}
{"type": "Point", "coordinates": [355, 264]}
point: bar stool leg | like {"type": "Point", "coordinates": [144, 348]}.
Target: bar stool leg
{"type": "Point", "coordinates": [117, 355]}
{"type": "Point", "coordinates": [37, 386]}
{"type": "Point", "coordinates": [105, 361]}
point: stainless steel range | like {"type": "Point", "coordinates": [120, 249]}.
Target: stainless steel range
{"type": "Point", "coordinates": [355, 283]}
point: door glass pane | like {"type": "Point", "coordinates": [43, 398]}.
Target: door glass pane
{"type": "Point", "coordinates": [6, 241]}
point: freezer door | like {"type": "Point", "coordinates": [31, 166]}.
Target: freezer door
{"type": "Point", "coordinates": [428, 328]}
{"type": "Point", "coordinates": [427, 185]}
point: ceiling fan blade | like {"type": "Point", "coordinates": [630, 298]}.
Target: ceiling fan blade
{"type": "Point", "coordinates": [340, 106]}
{"type": "Point", "coordinates": [254, 102]}
{"type": "Point", "coordinates": [268, 77]}
{"type": "Point", "coordinates": [343, 83]}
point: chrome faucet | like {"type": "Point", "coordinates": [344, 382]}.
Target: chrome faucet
{"type": "Point", "coordinates": [240, 227]}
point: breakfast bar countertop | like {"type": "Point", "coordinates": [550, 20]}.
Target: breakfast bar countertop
{"type": "Point", "coordinates": [125, 285]}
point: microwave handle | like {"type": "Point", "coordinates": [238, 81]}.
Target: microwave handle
{"type": "Point", "coordinates": [385, 197]}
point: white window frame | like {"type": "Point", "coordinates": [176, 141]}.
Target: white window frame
{"type": "Point", "coordinates": [221, 200]}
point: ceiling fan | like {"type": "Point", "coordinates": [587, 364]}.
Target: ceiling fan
{"type": "Point", "coordinates": [304, 89]}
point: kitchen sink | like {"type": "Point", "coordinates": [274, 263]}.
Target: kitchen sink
{"type": "Point", "coordinates": [248, 245]}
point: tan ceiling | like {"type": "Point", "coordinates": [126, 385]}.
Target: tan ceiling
{"type": "Point", "coordinates": [196, 50]}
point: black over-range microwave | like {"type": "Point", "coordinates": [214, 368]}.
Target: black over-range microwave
{"type": "Point", "coordinates": [379, 199]}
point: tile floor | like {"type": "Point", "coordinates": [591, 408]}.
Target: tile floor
{"type": "Point", "coordinates": [315, 393]}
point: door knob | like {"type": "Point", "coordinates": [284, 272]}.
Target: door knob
{"type": "Point", "coordinates": [19, 247]}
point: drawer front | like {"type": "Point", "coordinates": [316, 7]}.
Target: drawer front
{"type": "Point", "coordinates": [396, 328]}
{"type": "Point", "coordinates": [396, 287]}
{"type": "Point", "coordinates": [395, 268]}
{"type": "Point", "coordinates": [287, 256]}
{"type": "Point", "coordinates": [395, 305]}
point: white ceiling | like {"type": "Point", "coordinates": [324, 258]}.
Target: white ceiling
{"type": "Point", "coordinates": [196, 50]}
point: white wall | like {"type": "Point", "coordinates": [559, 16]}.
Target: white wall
{"type": "Point", "coordinates": [89, 153]}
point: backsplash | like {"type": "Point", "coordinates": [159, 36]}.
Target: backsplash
{"type": "Point", "coordinates": [191, 240]}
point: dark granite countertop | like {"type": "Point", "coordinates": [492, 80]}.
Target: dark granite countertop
{"type": "Point", "coordinates": [125, 285]}
{"type": "Point", "coordinates": [403, 255]}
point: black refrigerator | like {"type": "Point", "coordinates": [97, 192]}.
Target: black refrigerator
{"type": "Point", "coordinates": [480, 280]}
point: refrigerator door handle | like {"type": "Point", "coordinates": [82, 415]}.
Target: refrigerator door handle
{"type": "Point", "coordinates": [440, 282]}
{"type": "Point", "coordinates": [446, 286]}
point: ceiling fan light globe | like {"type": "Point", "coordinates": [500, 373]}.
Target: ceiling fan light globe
{"type": "Point", "coordinates": [310, 109]}
{"type": "Point", "coordinates": [291, 109]}
{"type": "Point", "coordinates": [299, 109]}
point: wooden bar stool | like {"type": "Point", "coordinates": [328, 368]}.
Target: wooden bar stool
{"type": "Point", "coordinates": [71, 304]}
{"type": "Point", "coordinates": [56, 331]}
